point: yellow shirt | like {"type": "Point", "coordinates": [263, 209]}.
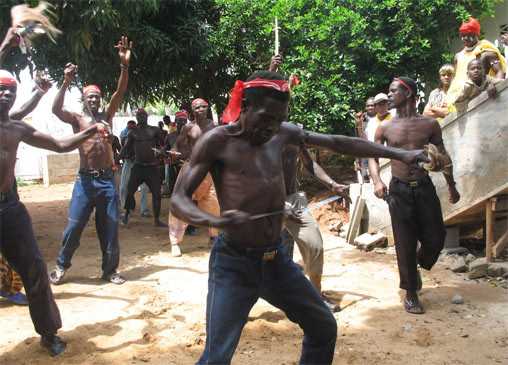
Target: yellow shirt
{"type": "Point", "coordinates": [463, 58]}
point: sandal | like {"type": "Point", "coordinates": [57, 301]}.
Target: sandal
{"type": "Point", "coordinates": [56, 276]}
{"type": "Point", "coordinates": [114, 278]}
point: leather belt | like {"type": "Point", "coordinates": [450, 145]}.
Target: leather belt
{"type": "Point", "coordinates": [414, 183]}
{"type": "Point", "coordinates": [96, 172]}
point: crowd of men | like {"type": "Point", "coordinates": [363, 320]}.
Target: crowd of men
{"type": "Point", "coordinates": [238, 179]}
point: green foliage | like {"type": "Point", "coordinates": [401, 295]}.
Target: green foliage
{"type": "Point", "coordinates": [342, 50]}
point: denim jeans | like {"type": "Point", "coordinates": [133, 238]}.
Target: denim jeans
{"type": "Point", "coordinates": [90, 192]}
{"type": "Point", "coordinates": [236, 281]}
{"type": "Point", "coordinates": [124, 181]}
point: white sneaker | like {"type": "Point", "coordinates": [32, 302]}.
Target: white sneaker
{"type": "Point", "coordinates": [175, 250]}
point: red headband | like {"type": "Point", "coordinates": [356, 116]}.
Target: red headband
{"type": "Point", "coordinates": [232, 111]}
{"type": "Point", "coordinates": [470, 27]}
{"type": "Point", "coordinates": [91, 89]}
{"type": "Point", "coordinates": [7, 79]}
{"type": "Point", "coordinates": [198, 100]}
{"type": "Point", "coordinates": [182, 114]}
{"type": "Point", "coordinates": [404, 84]}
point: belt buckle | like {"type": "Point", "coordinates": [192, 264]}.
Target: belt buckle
{"type": "Point", "coordinates": [96, 173]}
{"type": "Point", "coordinates": [270, 255]}
{"type": "Point", "coordinates": [413, 184]}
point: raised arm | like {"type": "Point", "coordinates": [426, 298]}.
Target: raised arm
{"type": "Point", "coordinates": [41, 140]}
{"type": "Point", "coordinates": [11, 40]}
{"type": "Point", "coordinates": [58, 110]}
{"type": "Point", "coordinates": [42, 85]}
{"type": "Point", "coordinates": [124, 52]}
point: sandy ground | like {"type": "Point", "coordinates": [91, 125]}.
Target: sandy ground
{"type": "Point", "coordinates": [158, 316]}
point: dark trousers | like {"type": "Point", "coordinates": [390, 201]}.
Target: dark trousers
{"type": "Point", "coordinates": [416, 216]}
{"type": "Point", "coordinates": [100, 193]}
{"type": "Point", "coordinates": [19, 247]}
{"type": "Point", "coordinates": [149, 175]}
{"type": "Point", "coordinates": [236, 281]}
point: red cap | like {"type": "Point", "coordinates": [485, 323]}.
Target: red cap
{"type": "Point", "coordinates": [470, 27]}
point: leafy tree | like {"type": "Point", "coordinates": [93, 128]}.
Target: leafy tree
{"type": "Point", "coordinates": [342, 50]}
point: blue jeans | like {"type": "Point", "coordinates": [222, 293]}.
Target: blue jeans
{"type": "Point", "coordinates": [90, 192]}
{"type": "Point", "coordinates": [124, 181]}
{"type": "Point", "coordinates": [236, 281]}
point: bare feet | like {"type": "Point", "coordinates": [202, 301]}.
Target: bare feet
{"type": "Point", "coordinates": [175, 250]}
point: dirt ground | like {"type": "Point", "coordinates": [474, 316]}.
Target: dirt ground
{"type": "Point", "coordinates": [158, 316]}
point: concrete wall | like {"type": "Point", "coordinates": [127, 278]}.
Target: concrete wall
{"type": "Point", "coordinates": [477, 143]}
{"type": "Point", "coordinates": [60, 168]}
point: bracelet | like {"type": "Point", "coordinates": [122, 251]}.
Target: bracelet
{"type": "Point", "coordinates": [125, 67]}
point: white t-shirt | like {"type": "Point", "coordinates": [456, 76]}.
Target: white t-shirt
{"type": "Point", "coordinates": [372, 125]}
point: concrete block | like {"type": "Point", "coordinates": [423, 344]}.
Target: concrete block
{"type": "Point", "coordinates": [369, 241]}
{"type": "Point", "coordinates": [459, 265]}
{"type": "Point", "coordinates": [60, 168]}
{"type": "Point", "coordinates": [478, 268]}
{"type": "Point", "coordinates": [497, 269]}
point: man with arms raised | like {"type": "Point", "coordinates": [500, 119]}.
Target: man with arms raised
{"type": "Point", "coordinates": [143, 140]}
{"type": "Point", "coordinates": [247, 260]}
{"type": "Point", "coordinates": [17, 240]}
{"type": "Point", "coordinates": [414, 206]}
{"type": "Point", "coordinates": [95, 186]}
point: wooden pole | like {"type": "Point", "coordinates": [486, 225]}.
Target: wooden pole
{"type": "Point", "coordinates": [489, 229]}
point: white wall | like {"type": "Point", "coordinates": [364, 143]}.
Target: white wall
{"type": "Point", "coordinates": [30, 160]}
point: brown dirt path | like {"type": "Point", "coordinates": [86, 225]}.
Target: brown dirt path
{"type": "Point", "coordinates": [158, 316]}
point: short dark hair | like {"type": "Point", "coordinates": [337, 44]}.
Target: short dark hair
{"type": "Point", "coordinates": [474, 60]}
{"type": "Point", "coordinates": [256, 94]}
{"type": "Point", "coordinates": [131, 122]}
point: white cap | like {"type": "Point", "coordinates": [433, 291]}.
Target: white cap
{"type": "Point", "coordinates": [380, 97]}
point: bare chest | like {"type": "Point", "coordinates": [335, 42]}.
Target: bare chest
{"type": "Point", "coordinates": [408, 135]}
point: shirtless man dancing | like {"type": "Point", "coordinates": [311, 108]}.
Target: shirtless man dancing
{"type": "Point", "coordinates": [95, 185]}
{"type": "Point", "coordinates": [248, 260]}
{"type": "Point", "coordinates": [143, 140]}
{"type": "Point", "coordinates": [414, 206]}
{"type": "Point", "coordinates": [205, 195]}
{"type": "Point", "coordinates": [17, 240]}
